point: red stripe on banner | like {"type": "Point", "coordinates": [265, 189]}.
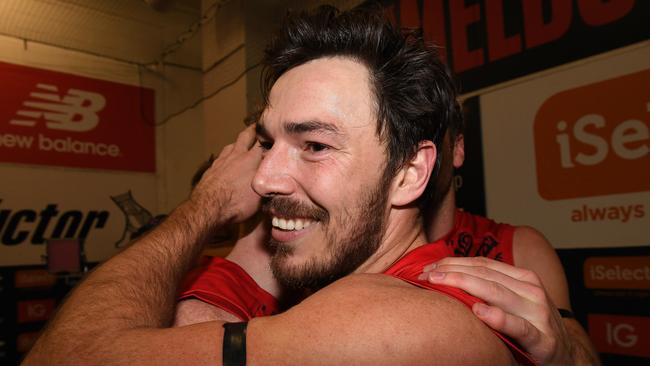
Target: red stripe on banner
{"type": "Point", "coordinates": [60, 119]}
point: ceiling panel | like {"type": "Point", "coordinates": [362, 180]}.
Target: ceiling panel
{"type": "Point", "coordinates": [123, 29]}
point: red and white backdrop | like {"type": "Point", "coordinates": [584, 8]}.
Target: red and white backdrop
{"type": "Point", "coordinates": [581, 174]}
{"type": "Point", "coordinates": [559, 138]}
{"type": "Point", "coordinates": [68, 144]}
{"type": "Point", "coordinates": [77, 161]}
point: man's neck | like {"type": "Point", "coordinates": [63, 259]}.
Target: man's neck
{"type": "Point", "coordinates": [404, 232]}
{"type": "Point", "coordinates": [441, 222]}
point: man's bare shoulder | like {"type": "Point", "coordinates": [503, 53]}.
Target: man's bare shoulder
{"type": "Point", "coordinates": [532, 251]}
{"type": "Point", "coordinates": [375, 319]}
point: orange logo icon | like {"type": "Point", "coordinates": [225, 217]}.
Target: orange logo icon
{"type": "Point", "coordinates": [595, 140]}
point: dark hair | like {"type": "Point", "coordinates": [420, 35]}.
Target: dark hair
{"type": "Point", "coordinates": [415, 95]}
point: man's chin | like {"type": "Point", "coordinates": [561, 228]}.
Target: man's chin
{"type": "Point", "coordinates": [297, 273]}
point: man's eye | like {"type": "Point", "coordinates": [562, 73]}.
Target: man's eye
{"type": "Point", "coordinates": [316, 147]}
{"type": "Point", "coordinates": [265, 145]}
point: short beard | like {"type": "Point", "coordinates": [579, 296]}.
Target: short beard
{"type": "Point", "coordinates": [357, 237]}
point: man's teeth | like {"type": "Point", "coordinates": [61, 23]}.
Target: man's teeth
{"type": "Point", "coordinates": [290, 224]}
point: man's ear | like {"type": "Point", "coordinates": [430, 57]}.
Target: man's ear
{"type": "Point", "coordinates": [410, 182]}
{"type": "Point", "coordinates": [459, 151]}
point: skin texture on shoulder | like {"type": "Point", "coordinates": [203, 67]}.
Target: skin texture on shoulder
{"type": "Point", "coordinates": [371, 319]}
{"type": "Point", "coordinates": [532, 251]}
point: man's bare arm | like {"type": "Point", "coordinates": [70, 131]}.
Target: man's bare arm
{"type": "Point", "coordinates": [126, 298]}
{"type": "Point", "coordinates": [361, 320]}
{"type": "Point", "coordinates": [134, 292]}
{"type": "Point", "coordinates": [372, 319]}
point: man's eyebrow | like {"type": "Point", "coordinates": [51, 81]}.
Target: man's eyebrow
{"type": "Point", "coordinates": [311, 126]}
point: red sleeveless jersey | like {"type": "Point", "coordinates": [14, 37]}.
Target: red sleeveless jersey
{"type": "Point", "coordinates": [224, 284]}
{"type": "Point", "coordinates": [476, 236]}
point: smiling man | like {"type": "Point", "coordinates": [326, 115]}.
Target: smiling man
{"type": "Point", "coordinates": [323, 177]}
{"type": "Point", "coordinates": [346, 147]}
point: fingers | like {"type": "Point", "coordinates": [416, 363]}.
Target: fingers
{"type": "Point", "coordinates": [506, 269]}
{"type": "Point", "coordinates": [517, 305]}
{"type": "Point", "coordinates": [246, 139]}
{"type": "Point", "coordinates": [227, 150]}
{"type": "Point", "coordinates": [513, 326]}
{"type": "Point", "coordinates": [229, 179]}
{"type": "Point", "coordinates": [491, 286]}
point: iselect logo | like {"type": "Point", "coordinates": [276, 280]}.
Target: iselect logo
{"type": "Point", "coordinates": [595, 140]}
{"type": "Point", "coordinates": [74, 111]}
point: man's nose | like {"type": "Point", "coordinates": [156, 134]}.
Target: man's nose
{"type": "Point", "coordinates": [273, 175]}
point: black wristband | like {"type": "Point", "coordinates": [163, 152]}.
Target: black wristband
{"type": "Point", "coordinates": [234, 344]}
{"type": "Point", "coordinates": [566, 313]}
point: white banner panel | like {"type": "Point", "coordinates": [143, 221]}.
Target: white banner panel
{"type": "Point", "coordinates": [101, 209]}
{"type": "Point", "coordinates": [569, 152]}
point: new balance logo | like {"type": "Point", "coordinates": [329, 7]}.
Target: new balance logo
{"type": "Point", "coordinates": [75, 111]}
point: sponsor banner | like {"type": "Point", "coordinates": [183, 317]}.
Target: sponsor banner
{"type": "Point", "coordinates": [611, 299]}
{"type": "Point", "coordinates": [101, 210]}
{"type": "Point", "coordinates": [60, 119]}
{"type": "Point", "coordinates": [592, 141]}
{"type": "Point", "coordinates": [617, 272]}
{"type": "Point", "coordinates": [33, 278]}
{"type": "Point", "coordinates": [568, 153]}
{"type": "Point", "coordinates": [619, 334]}
{"type": "Point", "coordinates": [486, 42]}
{"type": "Point", "coordinates": [30, 311]}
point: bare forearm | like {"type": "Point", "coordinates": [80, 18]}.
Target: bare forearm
{"type": "Point", "coordinates": [134, 292]}
{"type": "Point", "coordinates": [584, 353]}
{"type": "Point", "coordinates": [135, 289]}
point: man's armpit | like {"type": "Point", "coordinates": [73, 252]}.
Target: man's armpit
{"type": "Point", "coordinates": [375, 320]}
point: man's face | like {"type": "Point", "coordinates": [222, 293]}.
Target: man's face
{"type": "Point", "coordinates": [322, 174]}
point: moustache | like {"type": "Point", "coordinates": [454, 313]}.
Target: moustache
{"type": "Point", "coordinates": [287, 207]}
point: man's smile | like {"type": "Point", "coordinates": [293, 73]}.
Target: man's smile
{"type": "Point", "coordinates": [286, 229]}
{"type": "Point", "coordinates": [290, 224]}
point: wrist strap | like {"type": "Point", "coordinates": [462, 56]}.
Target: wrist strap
{"type": "Point", "coordinates": [234, 344]}
{"type": "Point", "coordinates": [566, 313]}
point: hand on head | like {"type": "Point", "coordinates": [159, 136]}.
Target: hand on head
{"type": "Point", "coordinates": [226, 186]}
